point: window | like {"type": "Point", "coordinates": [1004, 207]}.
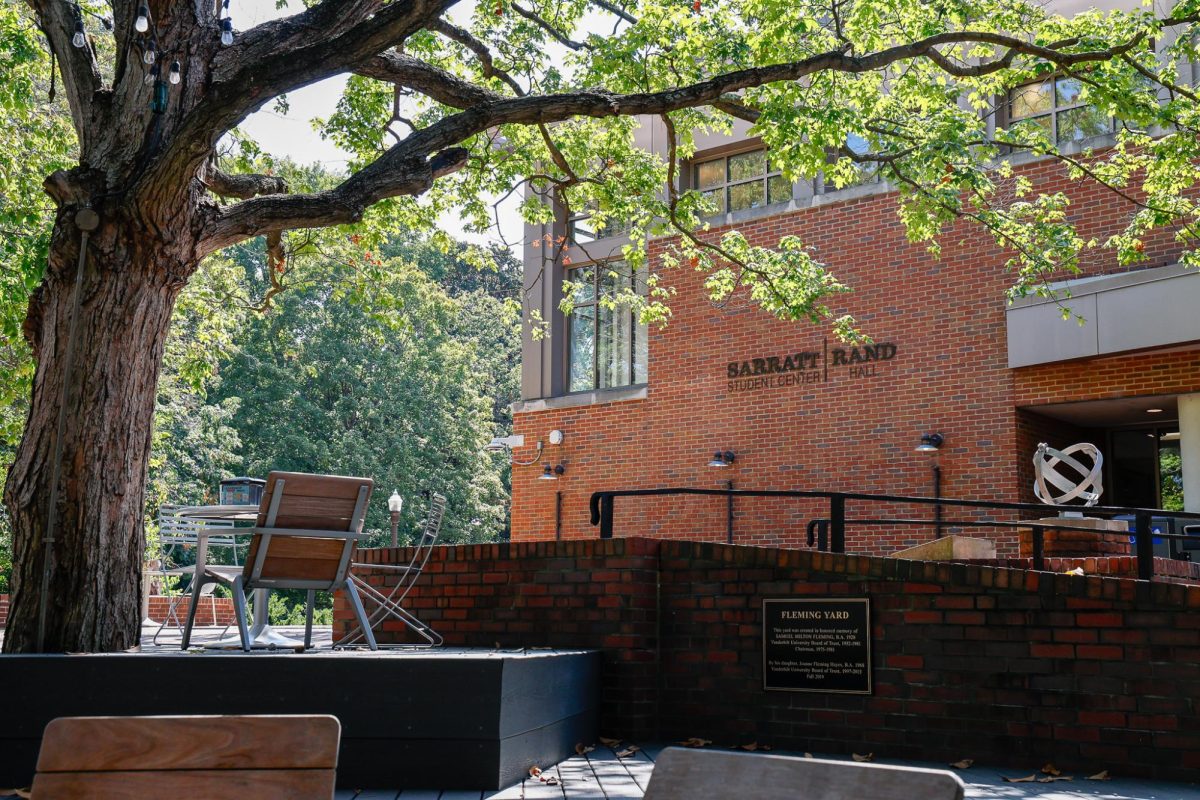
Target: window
{"type": "Point", "coordinates": [1056, 107]}
{"type": "Point", "coordinates": [740, 182]}
{"type": "Point", "coordinates": [580, 230]}
{"type": "Point", "coordinates": [606, 347]}
{"type": "Point", "coordinates": [864, 173]}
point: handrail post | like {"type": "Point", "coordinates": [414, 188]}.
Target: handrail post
{"type": "Point", "coordinates": [606, 516]}
{"type": "Point", "coordinates": [1038, 533]}
{"type": "Point", "coordinates": [837, 523]}
{"type": "Point", "coordinates": [1144, 544]}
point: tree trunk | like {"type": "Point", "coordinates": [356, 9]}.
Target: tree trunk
{"type": "Point", "coordinates": [130, 281]}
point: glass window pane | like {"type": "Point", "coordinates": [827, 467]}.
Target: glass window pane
{"type": "Point", "coordinates": [582, 335]}
{"type": "Point", "coordinates": [641, 352]}
{"type": "Point", "coordinates": [581, 231]}
{"type": "Point", "coordinates": [1043, 122]}
{"type": "Point", "coordinates": [710, 173]}
{"type": "Point", "coordinates": [716, 197]}
{"type": "Point", "coordinates": [585, 292]}
{"type": "Point", "coordinates": [779, 189]}
{"type": "Point", "coordinates": [614, 347]}
{"type": "Point", "coordinates": [1082, 123]}
{"type": "Point", "coordinates": [857, 143]}
{"type": "Point", "coordinates": [1066, 91]}
{"type": "Point", "coordinates": [1033, 99]}
{"type": "Point", "coordinates": [748, 165]}
{"type": "Point", "coordinates": [746, 195]}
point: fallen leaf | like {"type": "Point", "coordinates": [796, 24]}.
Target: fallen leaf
{"type": "Point", "coordinates": [964, 764]}
{"type": "Point", "coordinates": [867, 757]}
{"type": "Point", "coordinates": [764, 747]}
{"type": "Point", "coordinates": [808, 755]}
{"type": "Point", "coordinates": [1102, 775]}
{"type": "Point", "coordinates": [696, 741]}
{"type": "Point", "coordinates": [18, 792]}
{"type": "Point", "coordinates": [749, 747]}
{"type": "Point", "coordinates": [549, 780]}
{"type": "Point", "coordinates": [1026, 779]}
{"type": "Point", "coordinates": [609, 742]}
{"type": "Point", "coordinates": [535, 772]}
{"type": "Point", "coordinates": [1055, 778]}
{"type": "Point", "coordinates": [628, 751]}
{"type": "Point", "coordinates": [1050, 769]}
{"type": "Point", "coordinates": [582, 749]}
{"type": "Point", "coordinates": [1076, 571]}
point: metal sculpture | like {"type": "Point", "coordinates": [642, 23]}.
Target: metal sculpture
{"type": "Point", "coordinates": [1087, 487]}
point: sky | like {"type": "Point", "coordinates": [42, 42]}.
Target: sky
{"type": "Point", "coordinates": [294, 137]}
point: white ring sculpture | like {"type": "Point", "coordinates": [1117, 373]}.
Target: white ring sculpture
{"type": "Point", "coordinates": [1088, 487]}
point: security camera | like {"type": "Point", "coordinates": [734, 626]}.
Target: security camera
{"type": "Point", "coordinates": [505, 443]}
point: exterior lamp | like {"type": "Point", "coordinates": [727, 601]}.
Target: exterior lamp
{"type": "Point", "coordinates": [551, 473]}
{"type": "Point", "coordinates": [80, 37]}
{"type": "Point", "coordinates": [395, 503]}
{"type": "Point", "coordinates": [722, 459]}
{"type": "Point", "coordinates": [227, 31]}
{"type": "Point", "coordinates": [930, 443]}
{"type": "Point", "coordinates": [142, 23]}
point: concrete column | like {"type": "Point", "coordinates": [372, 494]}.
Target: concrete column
{"type": "Point", "coordinates": [1189, 448]}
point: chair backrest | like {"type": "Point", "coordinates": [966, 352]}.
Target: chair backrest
{"type": "Point", "coordinates": [689, 774]}
{"type": "Point", "coordinates": [306, 530]}
{"type": "Point", "coordinates": [263, 757]}
{"type": "Point", "coordinates": [424, 545]}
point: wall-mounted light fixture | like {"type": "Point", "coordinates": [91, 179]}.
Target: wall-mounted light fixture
{"type": "Point", "coordinates": [551, 473]}
{"type": "Point", "coordinates": [555, 437]}
{"type": "Point", "coordinates": [930, 443]}
{"type": "Point", "coordinates": [722, 459]}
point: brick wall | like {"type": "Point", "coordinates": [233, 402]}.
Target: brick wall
{"type": "Point", "coordinates": [950, 373]}
{"type": "Point", "coordinates": [3, 609]}
{"type": "Point", "coordinates": [1006, 666]}
{"type": "Point", "coordinates": [211, 611]}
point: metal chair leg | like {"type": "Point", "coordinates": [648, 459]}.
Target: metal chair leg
{"type": "Point", "coordinates": [197, 585]}
{"type": "Point", "coordinates": [239, 611]}
{"type": "Point", "coordinates": [308, 618]}
{"type": "Point", "coordinates": [361, 614]}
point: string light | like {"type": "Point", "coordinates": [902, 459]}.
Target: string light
{"type": "Point", "coordinates": [80, 38]}
{"type": "Point", "coordinates": [149, 55]}
{"type": "Point", "coordinates": [142, 23]}
{"type": "Point", "coordinates": [226, 25]}
{"type": "Point", "coordinates": [174, 76]}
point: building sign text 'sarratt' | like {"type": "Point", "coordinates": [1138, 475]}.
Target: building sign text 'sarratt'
{"type": "Point", "coordinates": [817, 645]}
{"type": "Point", "coordinates": [806, 367]}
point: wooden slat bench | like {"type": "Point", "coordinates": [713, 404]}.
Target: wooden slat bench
{"type": "Point", "coordinates": [136, 758]}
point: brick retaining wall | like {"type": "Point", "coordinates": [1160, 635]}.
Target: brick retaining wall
{"type": "Point", "coordinates": [1007, 666]}
{"type": "Point", "coordinates": [3, 609]}
{"type": "Point", "coordinates": [211, 611]}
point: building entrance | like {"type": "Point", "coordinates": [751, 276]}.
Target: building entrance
{"type": "Point", "coordinates": [1143, 467]}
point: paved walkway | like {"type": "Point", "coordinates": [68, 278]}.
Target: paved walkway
{"type": "Point", "coordinates": [600, 775]}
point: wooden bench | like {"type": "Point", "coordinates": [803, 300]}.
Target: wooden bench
{"type": "Point", "coordinates": [148, 758]}
{"type": "Point", "coordinates": [687, 774]}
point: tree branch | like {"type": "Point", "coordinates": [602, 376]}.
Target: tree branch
{"type": "Point", "coordinates": [81, 74]}
{"type": "Point", "coordinates": [393, 174]}
{"type": "Point", "coordinates": [433, 82]}
{"type": "Point", "coordinates": [242, 186]}
{"type": "Point", "coordinates": [558, 35]}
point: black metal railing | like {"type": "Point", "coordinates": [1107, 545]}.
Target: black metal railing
{"type": "Point", "coordinates": [829, 533]}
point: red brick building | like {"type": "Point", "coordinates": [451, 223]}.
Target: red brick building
{"type": "Point", "coordinates": [802, 411]}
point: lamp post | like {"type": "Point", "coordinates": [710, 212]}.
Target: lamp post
{"type": "Point", "coordinates": [395, 503]}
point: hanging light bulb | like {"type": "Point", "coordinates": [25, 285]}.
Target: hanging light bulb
{"type": "Point", "coordinates": [227, 31]}
{"type": "Point", "coordinates": [149, 54]}
{"type": "Point", "coordinates": [80, 38]}
{"type": "Point", "coordinates": [174, 76]}
{"type": "Point", "coordinates": [142, 23]}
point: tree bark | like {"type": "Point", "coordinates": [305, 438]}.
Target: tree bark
{"type": "Point", "coordinates": [131, 280]}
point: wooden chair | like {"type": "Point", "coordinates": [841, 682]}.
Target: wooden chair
{"type": "Point", "coordinates": [136, 758]}
{"type": "Point", "coordinates": [304, 538]}
{"type": "Point", "coordinates": [688, 774]}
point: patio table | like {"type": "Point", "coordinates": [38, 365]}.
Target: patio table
{"type": "Point", "coordinates": [262, 635]}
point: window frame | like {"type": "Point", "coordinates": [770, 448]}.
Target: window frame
{"type": "Point", "coordinates": [598, 268]}
{"type": "Point", "coordinates": [1008, 119]}
{"type": "Point", "coordinates": [728, 182]}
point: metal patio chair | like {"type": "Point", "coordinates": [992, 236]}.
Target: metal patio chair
{"type": "Point", "coordinates": [178, 533]}
{"type": "Point", "coordinates": [391, 605]}
{"type": "Point", "coordinates": [304, 538]}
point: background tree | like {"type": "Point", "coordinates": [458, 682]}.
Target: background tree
{"type": "Point", "coordinates": [452, 110]}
